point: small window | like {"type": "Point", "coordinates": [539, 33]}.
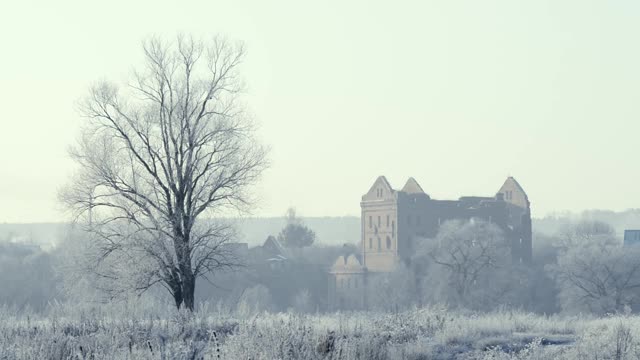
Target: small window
{"type": "Point", "coordinates": [379, 244]}
{"type": "Point", "coordinates": [381, 192]}
{"type": "Point", "coordinates": [520, 241]}
{"type": "Point", "coordinates": [370, 222]}
{"type": "Point", "coordinates": [378, 220]}
{"type": "Point", "coordinates": [348, 283]}
{"type": "Point", "coordinates": [370, 243]}
{"type": "Point", "coordinates": [388, 243]}
{"type": "Point", "coordinates": [387, 220]}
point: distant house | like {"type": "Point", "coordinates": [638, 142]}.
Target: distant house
{"type": "Point", "coordinates": [631, 237]}
{"type": "Point", "coordinates": [285, 273]}
{"type": "Point", "coordinates": [271, 254]}
{"type": "Point", "coordinates": [347, 284]}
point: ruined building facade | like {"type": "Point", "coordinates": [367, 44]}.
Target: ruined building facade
{"type": "Point", "coordinates": [393, 221]}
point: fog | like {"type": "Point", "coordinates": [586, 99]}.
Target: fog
{"type": "Point", "coordinates": [526, 89]}
{"type": "Point", "coordinates": [337, 180]}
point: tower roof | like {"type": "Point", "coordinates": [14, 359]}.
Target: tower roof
{"type": "Point", "coordinates": [412, 187]}
{"type": "Point", "coordinates": [515, 183]}
{"type": "Point", "coordinates": [380, 183]}
{"type": "Point", "coordinates": [512, 187]}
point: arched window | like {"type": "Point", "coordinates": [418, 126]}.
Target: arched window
{"type": "Point", "coordinates": [388, 243]}
{"type": "Point", "coordinates": [379, 244]}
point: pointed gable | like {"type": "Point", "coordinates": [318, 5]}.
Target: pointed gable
{"type": "Point", "coordinates": [339, 263]}
{"type": "Point", "coordinates": [513, 193]}
{"type": "Point", "coordinates": [273, 247]}
{"type": "Point", "coordinates": [412, 187]}
{"type": "Point", "coordinates": [380, 189]}
{"type": "Point", "coordinates": [348, 264]}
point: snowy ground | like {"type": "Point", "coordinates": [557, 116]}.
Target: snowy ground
{"type": "Point", "coordinates": [133, 332]}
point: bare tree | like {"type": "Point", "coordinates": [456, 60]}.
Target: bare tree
{"type": "Point", "coordinates": [585, 232]}
{"type": "Point", "coordinates": [160, 160]}
{"type": "Point", "coordinates": [596, 273]}
{"type": "Point", "coordinates": [471, 255]}
{"type": "Point", "coordinates": [392, 291]}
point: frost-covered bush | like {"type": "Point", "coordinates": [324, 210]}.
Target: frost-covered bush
{"type": "Point", "coordinates": [132, 330]}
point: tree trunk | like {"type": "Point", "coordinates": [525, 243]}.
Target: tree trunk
{"type": "Point", "coordinates": [176, 288]}
{"type": "Point", "coordinates": [187, 279]}
{"type": "Point", "coordinates": [188, 291]}
{"type": "Point", "coordinates": [177, 297]}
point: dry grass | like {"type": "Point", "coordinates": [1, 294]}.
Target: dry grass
{"type": "Point", "coordinates": [130, 331]}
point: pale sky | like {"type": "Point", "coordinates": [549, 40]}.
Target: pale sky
{"type": "Point", "coordinates": [458, 94]}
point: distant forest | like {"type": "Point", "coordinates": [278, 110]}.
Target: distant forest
{"type": "Point", "coordinates": [329, 230]}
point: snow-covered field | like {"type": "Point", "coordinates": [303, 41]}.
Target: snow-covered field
{"type": "Point", "coordinates": [136, 332]}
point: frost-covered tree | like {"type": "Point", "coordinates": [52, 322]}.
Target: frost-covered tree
{"type": "Point", "coordinates": [598, 274]}
{"type": "Point", "coordinates": [27, 276]}
{"type": "Point", "coordinates": [585, 232]}
{"type": "Point", "coordinates": [391, 291]}
{"type": "Point", "coordinates": [470, 265]}
{"type": "Point", "coordinates": [159, 160]}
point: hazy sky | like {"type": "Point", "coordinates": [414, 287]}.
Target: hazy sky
{"type": "Point", "coordinates": [458, 94]}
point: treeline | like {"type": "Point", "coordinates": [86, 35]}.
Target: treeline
{"type": "Point", "coordinates": [579, 265]}
{"type": "Point", "coordinates": [330, 230]}
{"type": "Point", "coordinates": [33, 278]}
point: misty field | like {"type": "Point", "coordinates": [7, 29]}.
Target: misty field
{"type": "Point", "coordinates": [133, 332]}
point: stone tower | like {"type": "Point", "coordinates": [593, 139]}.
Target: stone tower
{"type": "Point", "coordinates": [394, 221]}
